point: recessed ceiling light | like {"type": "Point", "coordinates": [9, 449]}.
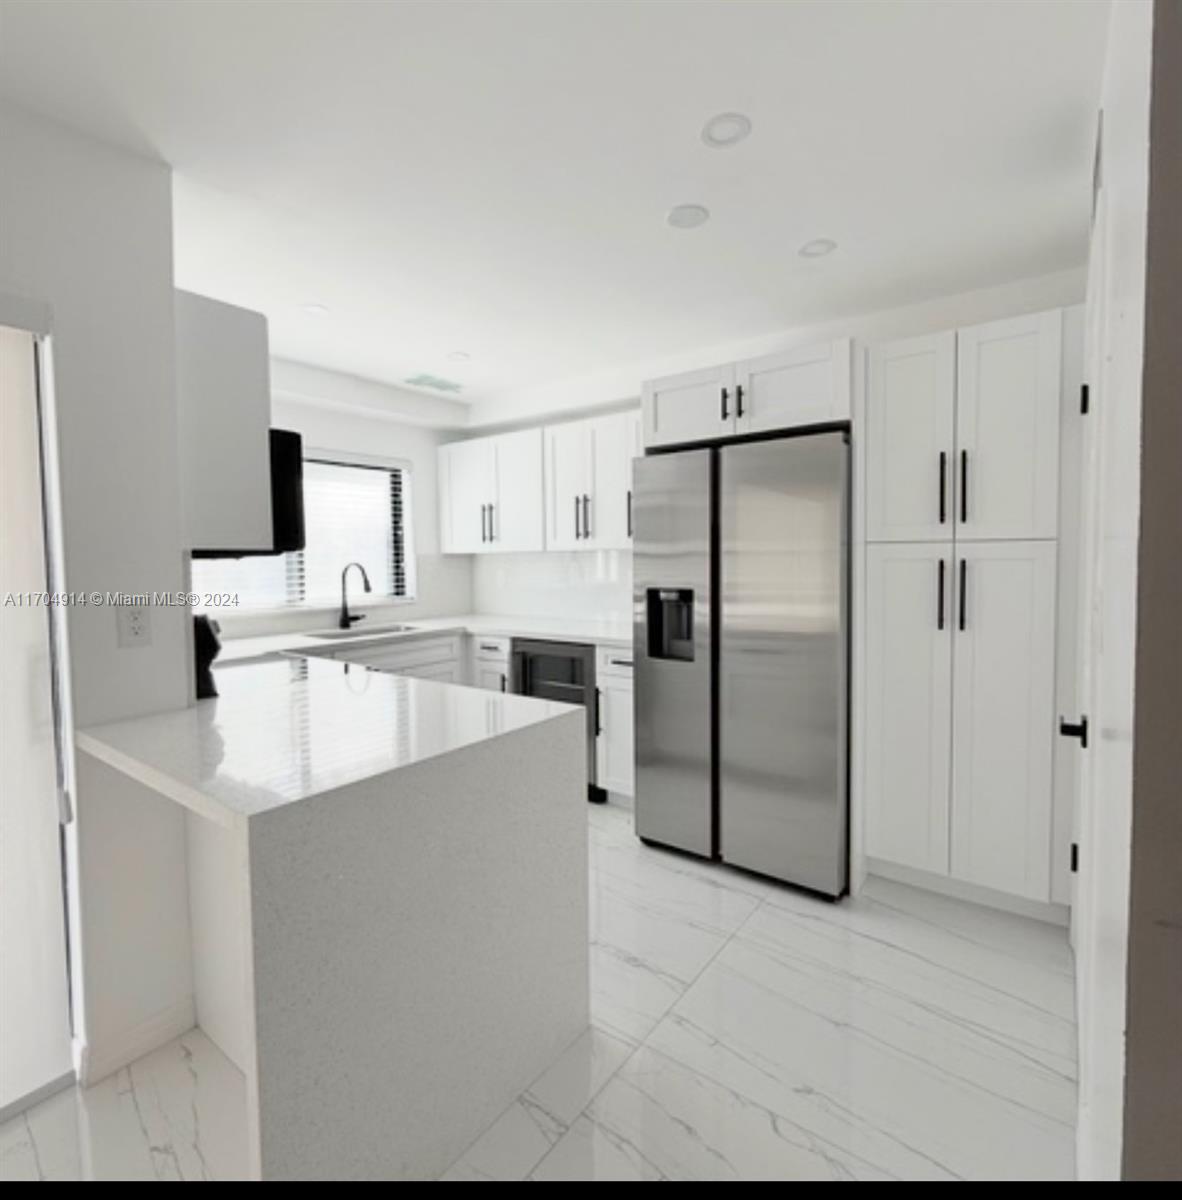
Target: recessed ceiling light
{"type": "Point", "coordinates": [316, 310]}
{"type": "Point", "coordinates": [726, 129]}
{"type": "Point", "coordinates": [688, 216]}
{"type": "Point", "coordinates": [817, 248]}
{"type": "Point", "coordinates": [459, 356]}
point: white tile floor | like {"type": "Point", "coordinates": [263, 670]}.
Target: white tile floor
{"type": "Point", "coordinates": [741, 1030]}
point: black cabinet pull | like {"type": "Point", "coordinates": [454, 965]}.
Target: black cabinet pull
{"type": "Point", "coordinates": [484, 522]}
{"type": "Point", "coordinates": [943, 486]}
{"type": "Point", "coordinates": [598, 723]}
{"type": "Point", "coordinates": [629, 512]}
{"type": "Point", "coordinates": [492, 536]}
{"type": "Point", "coordinates": [964, 487]}
{"type": "Point", "coordinates": [1075, 730]}
{"type": "Point", "coordinates": [739, 400]}
{"type": "Point", "coordinates": [963, 577]}
{"type": "Point", "coordinates": [940, 596]}
{"type": "Point", "coordinates": [504, 682]}
{"type": "Point", "coordinates": [586, 516]}
{"type": "Point", "coordinates": [578, 534]}
{"type": "Point", "coordinates": [725, 414]}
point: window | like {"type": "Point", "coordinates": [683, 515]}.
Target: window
{"type": "Point", "coordinates": [353, 512]}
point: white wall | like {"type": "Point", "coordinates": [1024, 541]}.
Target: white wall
{"type": "Point", "coordinates": [1116, 344]}
{"type": "Point", "coordinates": [947, 312]}
{"type": "Point", "coordinates": [87, 231]}
{"type": "Point", "coordinates": [443, 584]}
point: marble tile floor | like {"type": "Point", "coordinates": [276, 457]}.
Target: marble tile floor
{"type": "Point", "coordinates": [741, 1030]}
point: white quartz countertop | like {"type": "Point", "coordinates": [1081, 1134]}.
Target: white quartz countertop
{"type": "Point", "coordinates": [604, 632]}
{"type": "Point", "coordinates": [285, 730]}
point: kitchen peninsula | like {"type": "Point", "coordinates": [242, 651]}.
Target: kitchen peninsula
{"type": "Point", "coordinates": [388, 902]}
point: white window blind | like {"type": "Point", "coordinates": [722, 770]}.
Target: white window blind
{"type": "Point", "coordinates": [352, 513]}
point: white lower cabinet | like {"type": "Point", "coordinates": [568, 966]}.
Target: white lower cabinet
{"type": "Point", "coordinates": [489, 663]}
{"type": "Point", "coordinates": [614, 747]}
{"type": "Point", "coordinates": [1003, 716]}
{"type": "Point", "coordinates": [908, 689]}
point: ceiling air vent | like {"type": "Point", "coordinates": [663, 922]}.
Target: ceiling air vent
{"type": "Point", "coordinates": [435, 383]}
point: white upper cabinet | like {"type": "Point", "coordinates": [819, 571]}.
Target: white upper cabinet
{"type": "Point", "coordinates": [693, 407]}
{"type": "Point", "coordinates": [910, 407]}
{"type": "Point", "coordinates": [1007, 428]}
{"type": "Point", "coordinates": [1003, 715]}
{"type": "Point", "coordinates": [809, 386]}
{"type": "Point", "coordinates": [224, 417]}
{"type": "Point", "coordinates": [589, 482]}
{"type": "Point", "coordinates": [908, 699]}
{"type": "Point", "coordinates": [490, 494]}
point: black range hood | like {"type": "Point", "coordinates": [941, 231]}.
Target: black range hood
{"type": "Point", "coordinates": [287, 499]}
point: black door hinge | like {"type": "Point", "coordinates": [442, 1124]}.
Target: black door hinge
{"type": "Point", "coordinates": [1074, 858]}
{"type": "Point", "coordinates": [1084, 398]}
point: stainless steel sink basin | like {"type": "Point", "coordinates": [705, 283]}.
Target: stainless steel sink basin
{"type": "Point", "coordinates": [334, 635]}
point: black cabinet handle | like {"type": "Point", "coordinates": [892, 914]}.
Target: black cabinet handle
{"type": "Point", "coordinates": [504, 682]}
{"type": "Point", "coordinates": [598, 723]}
{"type": "Point", "coordinates": [492, 536]}
{"type": "Point", "coordinates": [963, 577]}
{"type": "Point", "coordinates": [725, 414]}
{"type": "Point", "coordinates": [940, 596]}
{"type": "Point", "coordinates": [578, 534]}
{"type": "Point", "coordinates": [1075, 730]}
{"type": "Point", "coordinates": [586, 516]}
{"type": "Point", "coordinates": [964, 487]}
{"type": "Point", "coordinates": [629, 512]}
{"type": "Point", "coordinates": [484, 522]}
{"type": "Point", "coordinates": [739, 400]}
{"type": "Point", "coordinates": [943, 486]}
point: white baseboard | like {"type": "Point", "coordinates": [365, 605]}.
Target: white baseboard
{"type": "Point", "coordinates": [15, 1107]}
{"type": "Point", "coordinates": [1038, 910]}
{"type": "Point", "coordinates": [103, 1056]}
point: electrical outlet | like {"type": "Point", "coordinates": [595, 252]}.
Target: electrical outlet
{"type": "Point", "coordinates": [134, 626]}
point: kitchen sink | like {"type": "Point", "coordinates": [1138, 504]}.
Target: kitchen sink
{"type": "Point", "coordinates": [334, 635]}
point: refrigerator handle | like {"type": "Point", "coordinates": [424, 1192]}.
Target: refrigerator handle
{"type": "Point", "coordinates": [725, 413]}
{"type": "Point", "coordinates": [940, 596]}
{"type": "Point", "coordinates": [943, 486]}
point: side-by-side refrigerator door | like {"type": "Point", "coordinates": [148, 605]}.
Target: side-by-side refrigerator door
{"type": "Point", "coordinates": [671, 624]}
{"type": "Point", "coordinates": [783, 543]}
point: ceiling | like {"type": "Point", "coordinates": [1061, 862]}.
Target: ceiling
{"type": "Point", "coordinates": [493, 177]}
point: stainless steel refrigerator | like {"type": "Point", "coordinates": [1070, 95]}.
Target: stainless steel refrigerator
{"type": "Point", "coordinates": [741, 580]}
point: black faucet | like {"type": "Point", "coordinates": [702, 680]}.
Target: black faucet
{"type": "Point", "coordinates": [347, 618]}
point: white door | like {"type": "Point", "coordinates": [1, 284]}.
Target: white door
{"type": "Point", "coordinates": [569, 456]}
{"type": "Point", "coordinates": [1007, 428]}
{"type": "Point", "coordinates": [616, 444]}
{"type": "Point", "coordinates": [693, 407]}
{"type": "Point", "coordinates": [515, 520]}
{"type": "Point", "coordinates": [808, 386]}
{"type": "Point", "coordinates": [615, 751]}
{"type": "Point", "coordinates": [467, 473]}
{"type": "Point", "coordinates": [1003, 715]}
{"type": "Point", "coordinates": [908, 703]}
{"type": "Point", "coordinates": [910, 445]}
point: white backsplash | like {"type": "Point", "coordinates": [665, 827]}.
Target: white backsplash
{"type": "Point", "coordinates": [590, 583]}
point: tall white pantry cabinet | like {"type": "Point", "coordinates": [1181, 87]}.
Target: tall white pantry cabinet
{"type": "Point", "coordinates": [961, 520]}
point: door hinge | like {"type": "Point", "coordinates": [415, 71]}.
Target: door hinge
{"type": "Point", "coordinates": [1084, 399]}
{"type": "Point", "coordinates": [1075, 858]}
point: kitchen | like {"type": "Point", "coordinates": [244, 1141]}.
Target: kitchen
{"type": "Point", "coordinates": [611, 737]}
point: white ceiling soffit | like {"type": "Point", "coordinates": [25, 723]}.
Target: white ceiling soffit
{"type": "Point", "coordinates": [399, 184]}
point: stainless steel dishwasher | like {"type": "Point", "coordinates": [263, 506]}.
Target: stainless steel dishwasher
{"type": "Point", "coordinates": [562, 671]}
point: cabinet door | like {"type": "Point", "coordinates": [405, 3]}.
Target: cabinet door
{"type": "Point", "coordinates": [515, 522]}
{"type": "Point", "coordinates": [467, 477]}
{"type": "Point", "coordinates": [1007, 428]}
{"type": "Point", "coordinates": [910, 450]}
{"type": "Point", "coordinates": [615, 754]}
{"type": "Point", "coordinates": [1003, 716]}
{"type": "Point", "coordinates": [808, 386]}
{"type": "Point", "coordinates": [569, 451]}
{"type": "Point", "coordinates": [616, 443]}
{"type": "Point", "coordinates": [491, 676]}
{"type": "Point", "coordinates": [693, 407]}
{"type": "Point", "coordinates": [908, 703]}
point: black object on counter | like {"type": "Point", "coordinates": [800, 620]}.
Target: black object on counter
{"type": "Point", "coordinates": [206, 646]}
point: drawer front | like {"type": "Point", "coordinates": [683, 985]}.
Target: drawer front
{"type": "Point", "coordinates": [614, 660]}
{"type": "Point", "coordinates": [394, 655]}
{"type": "Point", "coordinates": [486, 648]}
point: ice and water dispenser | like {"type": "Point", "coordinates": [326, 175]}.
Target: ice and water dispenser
{"type": "Point", "coordinates": [671, 623]}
